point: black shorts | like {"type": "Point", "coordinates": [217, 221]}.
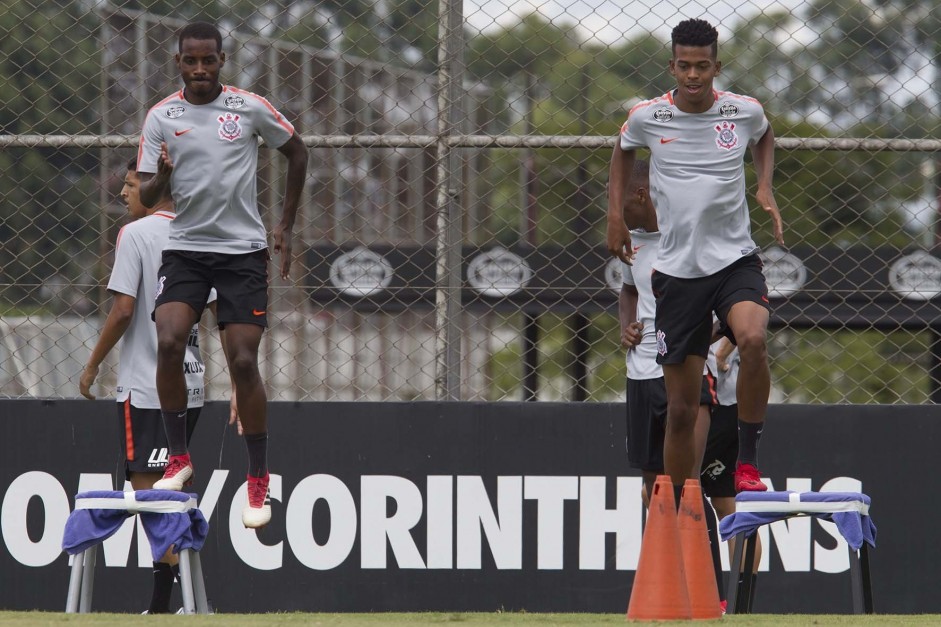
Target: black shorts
{"type": "Point", "coordinates": [647, 419]}
{"type": "Point", "coordinates": [685, 307]}
{"type": "Point", "coordinates": [718, 464]}
{"type": "Point", "coordinates": [143, 438]}
{"type": "Point", "coordinates": [241, 283]}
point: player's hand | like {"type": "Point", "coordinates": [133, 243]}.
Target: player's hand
{"type": "Point", "coordinates": [766, 200]}
{"type": "Point", "coordinates": [234, 413]}
{"type": "Point", "coordinates": [164, 163]}
{"type": "Point", "coordinates": [631, 334]}
{"type": "Point", "coordinates": [87, 380]}
{"type": "Point", "coordinates": [282, 246]}
{"type": "Point", "coordinates": [723, 352]}
{"type": "Point", "coordinates": [619, 241]}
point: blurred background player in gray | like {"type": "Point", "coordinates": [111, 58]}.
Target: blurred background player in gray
{"type": "Point", "coordinates": [133, 284]}
{"type": "Point", "coordinates": [717, 477]}
{"type": "Point", "coordinates": [646, 392]}
{"type": "Point", "coordinates": [708, 261]}
{"type": "Point", "coordinates": [202, 143]}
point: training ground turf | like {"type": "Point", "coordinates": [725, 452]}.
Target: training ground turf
{"type": "Point", "coordinates": [25, 619]}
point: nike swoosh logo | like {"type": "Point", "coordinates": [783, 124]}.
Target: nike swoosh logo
{"type": "Point", "coordinates": [187, 130]}
{"type": "Point", "coordinates": [255, 312]}
{"type": "Point", "coordinates": [664, 140]}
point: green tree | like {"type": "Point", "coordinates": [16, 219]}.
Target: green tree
{"type": "Point", "coordinates": [414, 24]}
{"type": "Point", "coordinates": [817, 90]}
{"type": "Point", "coordinates": [634, 70]}
{"type": "Point", "coordinates": [862, 367]}
{"type": "Point", "coordinates": [48, 85]}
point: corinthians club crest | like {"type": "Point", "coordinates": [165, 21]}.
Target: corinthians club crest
{"type": "Point", "coordinates": [726, 137]}
{"type": "Point", "coordinates": [229, 127]}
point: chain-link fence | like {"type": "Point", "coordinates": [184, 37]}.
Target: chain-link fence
{"type": "Point", "coordinates": [450, 240]}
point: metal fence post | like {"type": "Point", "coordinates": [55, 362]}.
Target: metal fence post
{"type": "Point", "coordinates": [448, 198]}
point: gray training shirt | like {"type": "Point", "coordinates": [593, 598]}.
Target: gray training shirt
{"type": "Point", "coordinates": [136, 261]}
{"type": "Point", "coordinates": [214, 150]}
{"type": "Point", "coordinates": [697, 179]}
{"type": "Point", "coordinates": [642, 359]}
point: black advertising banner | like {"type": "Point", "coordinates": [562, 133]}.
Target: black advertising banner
{"type": "Point", "coordinates": [459, 507]}
{"type": "Point", "coordinates": [830, 287]}
{"type": "Point", "coordinates": [392, 278]}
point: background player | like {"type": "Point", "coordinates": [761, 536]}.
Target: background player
{"type": "Point", "coordinates": [646, 394]}
{"type": "Point", "coordinates": [202, 142]}
{"type": "Point", "coordinates": [717, 478]}
{"type": "Point", "coordinates": [133, 284]}
{"type": "Point", "coordinates": [707, 260]}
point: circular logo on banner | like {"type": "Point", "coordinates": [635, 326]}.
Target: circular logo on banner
{"type": "Point", "coordinates": [784, 273]}
{"type": "Point", "coordinates": [498, 272]}
{"type": "Point", "coordinates": [916, 276]}
{"type": "Point", "coordinates": [360, 272]}
{"type": "Point", "coordinates": [612, 274]}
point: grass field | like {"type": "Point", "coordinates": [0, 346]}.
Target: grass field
{"type": "Point", "coordinates": [24, 619]}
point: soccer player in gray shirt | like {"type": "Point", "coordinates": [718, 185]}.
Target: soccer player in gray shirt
{"type": "Point", "coordinates": [202, 142]}
{"type": "Point", "coordinates": [133, 283]}
{"type": "Point", "coordinates": [707, 262]}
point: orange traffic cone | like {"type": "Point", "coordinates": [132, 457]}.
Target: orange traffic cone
{"type": "Point", "coordinates": [697, 558]}
{"type": "Point", "coordinates": [659, 591]}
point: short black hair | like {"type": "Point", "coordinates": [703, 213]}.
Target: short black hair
{"type": "Point", "coordinates": [696, 33]}
{"type": "Point", "coordinates": [641, 172]}
{"type": "Point", "coordinates": [201, 31]}
{"type": "Point", "coordinates": [132, 165]}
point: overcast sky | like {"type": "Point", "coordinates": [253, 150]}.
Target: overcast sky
{"type": "Point", "coordinates": [609, 20]}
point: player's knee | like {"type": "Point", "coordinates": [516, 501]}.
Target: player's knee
{"type": "Point", "coordinates": [681, 417]}
{"type": "Point", "coordinates": [170, 348]}
{"type": "Point", "coordinates": [752, 343]}
{"type": "Point", "coordinates": [243, 365]}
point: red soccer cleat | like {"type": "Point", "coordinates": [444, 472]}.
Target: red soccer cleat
{"type": "Point", "coordinates": [178, 473]}
{"type": "Point", "coordinates": [257, 512]}
{"type": "Point", "coordinates": [748, 479]}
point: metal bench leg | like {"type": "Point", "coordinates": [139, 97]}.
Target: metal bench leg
{"type": "Point", "coordinates": [747, 572]}
{"type": "Point", "coordinates": [860, 580]}
{"type": "Point", "coordinates": [186, 582]}
{"type": "Point", "coordinates": [199, 585]}
{"type": "Point", "coordinates": [867, 578]}
{"type": "Point", "coordinates": [75, 583]}
{"type": "Point", "coordinates": [731, 595]}
{"type": "Point", "coordinates": [856, 581]}
{"type": "Point", "coordinates": [88, 580]}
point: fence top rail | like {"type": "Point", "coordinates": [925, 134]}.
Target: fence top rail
{"type": "Point", "coordinates": [842, 144]}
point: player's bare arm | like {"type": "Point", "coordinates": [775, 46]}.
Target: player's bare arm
{"type": "Point", "coordinates": [116, 324]}
{"type": "Point", "coordinates": [631, 328]}
{"type": "Point", "coordinates": [619, 175]}
{"type": "Point", "coordinates": [763, 154]}
{"type": "Point", "coordinates": [296, 153]}
{"type": "Point", "coordinates": [155, 187]}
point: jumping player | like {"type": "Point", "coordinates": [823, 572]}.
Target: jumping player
{"type": "Point", "coordinates": [707, 261]}
{"type": "Point", "coordinates": [201, 141]}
